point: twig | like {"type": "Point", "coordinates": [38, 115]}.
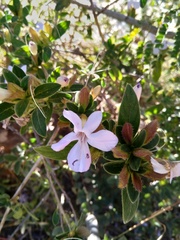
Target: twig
{"type": "Point", "coordinates": [155, 214]}
{"type": "Point", "coordinates": [28, 215]}
{"type": "Point", "coordinates": [59, 205]}
{"type": "Point", "coordinates": [123, 18]}
{"type": "Point", "coordinates": [62, 190]}
{"type": "Point", "coordinates": [96, 21]}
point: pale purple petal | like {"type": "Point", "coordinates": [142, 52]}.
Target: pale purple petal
{"type": "Point", "coordinates": [74, 118]}
{"type": "Point", "coordinates": [64, 142]}
{"type": "Point", "coordinates": [138, 89]}
{"type": "Point", "coordinates": [93, 122]}
{"type": "Point", "coordinates": [157, 167]}
{"type": "Point", "coordinates": [103, 140]}
{"type": "Point", "coordinates": [79, 157]}
{"type": "Point", "coordinates": [175, 171]}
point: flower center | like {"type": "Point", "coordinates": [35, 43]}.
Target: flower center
{"type": "Point", "coordinates": [82, 136]}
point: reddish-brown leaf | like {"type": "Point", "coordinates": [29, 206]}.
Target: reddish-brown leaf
{"type": "Point", "coordinates": [127, 132]}
{"type": "Point", "coordinates": [123, 177]}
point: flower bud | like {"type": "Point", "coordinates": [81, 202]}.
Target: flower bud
{"type": "Point", "coordinates": [33, 48]}
{"type": "Point", "coordinates": [4, 94]}
{"type": "Point", "coordinates": [138, 89]}
{"type": "Point", "coordinates": [95, 91]}
{"type": "Point", "coordinates": [48, 28]}
{"type": "Point", "coordinates": [84, 97]}
{"type": "Point", "coordinates": [63, 81]}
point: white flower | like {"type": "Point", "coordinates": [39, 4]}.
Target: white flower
{"type": "Point", "coordinates": [63, 81]}
{"type": "Point", "coordinates": [79, 157]}
{"type": "Point", "coordinates": [138, 89]}
{"type": "Point", "coordinates": [171, 168]}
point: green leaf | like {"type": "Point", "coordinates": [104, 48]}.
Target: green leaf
{"type": "Point", "coordinates": [157, 69]}
{"type": "Point", "coordinates": [46, 90]}
{"type": "Point", "coordinates": [1, 41]}
{"type": "Point", "coordinates": [135, 163]}
{"type": "Point", "coordinates": [54, 75]}
{"type": "Point", "coordinates": [109, 156]}
{"type": "Point", "coordinates": [76, 87]}
{"type": "Point", "coordinates": [57, 97]}
{"type": "Point", "coordinates": [21, 107]}
{"type": "Point", "coordinates": [46, 55]}
{"type": "Point", "coordinates": [39, 122]}
{"type": "Point", "coordinates": [10, 77]}
{"type": "Point", "coordinates": [6, 110]}
{"type": "Point", "coordinates": [129, 109]}
{"type": "Point", "coordinates": [62, 4]}
{"type": "Point", "coordinates": [60, 29]}
{"type": "Point", "coordinates": [139, 139]}
{"type": "Point", "coordinates": [24, 83]}
{"type": "Point", "coordinates": [47, 151]}
{"type": "Point", "coordinates": [128, 208]}
{"type": "Point", "coordinates": [47, 110]}
{"type": "Point", "coordinates": [71, 106]}
{"type": "Point", "coordinates": [114, 167]}
{"type": "Point", "coordinates": [132, 192]}
{"type": "Point", "coordinates": [153, 143]}
{"type": "Point", "coordinates": [55, 217]}
{"type": "Point", "coordinates": [143, 3]}
{"type": "Point", "coordinates": [18, 72]}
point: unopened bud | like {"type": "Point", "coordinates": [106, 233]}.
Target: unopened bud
{"type": "Point", "coordinates": [63, 81]}
{"type": "Point", "coordinates": [33, 48]}
{"type": "Point", "coordinates": [84, 97]}
{"type": "Point", "coordinates": [4, 94]}
{"type": "Point", "coordinates": [95, 91]}
{"type": "Point", "coordinates": [138, 89]}
{"type": "Point", "coordinates": [48, 28]}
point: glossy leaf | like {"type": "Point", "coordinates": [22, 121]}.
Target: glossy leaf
{"type": "Point", "coordinates": [114, 167]}
{"type": "Point", "coordinates": [129, 109]}
{"type": "Point", "coordinates": [133, 194]}
{"type": "Point", "coordinates": [60, 29]}
{"type": "Point", "coordinates": [46, 90]}
{"type": "Point", "coordinates": [18, 72]}
{"type": "Point", "coordinates": [128, 208]}
{"type": "Point", "coordinates": [143, 3]}
{"type": "Point", "coordinates": [6, 110]}
{"type": "Point", "coordinates": [139, 139]}
{"type": "Point", "coordinates": [11, 77]}
{"type": "Point", "coordinates": [39, 122]}
{"type": "Point", "coordinates": [21, 107]}
{"type": "Point", "coordinates": [135, 163]}
{"type": "Point", "coordinates": [47, 151]}
{"type": "Point", "coordinates": [62, 4]}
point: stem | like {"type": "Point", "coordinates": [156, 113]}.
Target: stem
{"type": "Point", "coordinates": [155, 214]}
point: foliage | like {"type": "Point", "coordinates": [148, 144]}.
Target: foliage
{"type": "Point", "coordinates": [100, 54]}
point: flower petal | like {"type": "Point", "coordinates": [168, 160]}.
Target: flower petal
{"type": "Point", "coordinates": [103, 140]}
{"type": "Point", "coordinates": [64, 142]}
{"type": "Point", "coordinates": [175, 171]}
{"type": "Point", "coordinates": [138, 89]}
{"type": "Point", "coordinates": [79, 157]}
{"type": "Point", "coordinates": [157, 167]}
{"type": "Point", "coordinates": [74, 118]}
{"type": "Point", "coordinates": [92, 122]}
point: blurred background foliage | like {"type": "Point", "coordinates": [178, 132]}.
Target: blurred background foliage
{"type": "Point", "coordinates": [107, 43]}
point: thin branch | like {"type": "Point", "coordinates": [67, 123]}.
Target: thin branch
{"type": "Point", "coordinates": [59, 205]}
{"type": "Point", "coordinates": [96, 21]}
{"type": "Point", "coordinates": [123, 18]}
{"type": "Point", "coordinates": [28, 215]}
{"type": "Point", "coordinates": [155, 214]}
